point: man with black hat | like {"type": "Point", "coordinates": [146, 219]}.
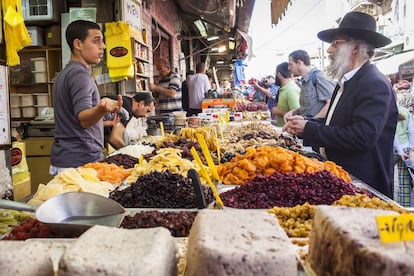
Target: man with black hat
{"type": "Point", "coordinates": [359, 128]}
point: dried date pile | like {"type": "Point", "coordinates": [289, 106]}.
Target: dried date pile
{"type": "Point", "coordinates": [288, 190]}
{"type": "Point", "coordinates": [121, 159]}
{"type": "Point", "coordinates": [179, 223]}
{"type": "Point", "coordinates": [160, 190]}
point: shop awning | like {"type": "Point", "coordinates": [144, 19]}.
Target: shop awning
{"type": "Point", "coordinates": [278, 8]}
{"type": "Point", "coordinates": [390, 65]}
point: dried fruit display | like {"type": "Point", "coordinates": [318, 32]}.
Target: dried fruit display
{"type": "Point", "coordinates": [109, 172]}
{"type": "Point", "coordinates": [160, 190]}
{"type": "Point", "coordinates": [179, 223]}
{"type": "Point", "coordinates": [288, 190]}
{"type": "Point", "coordinates": [265, 160]}
{"type": "Point", "coordinates": [121, 159]}
{"type": "Point", "coordinates": [32, 228]}
{"type": "Point", "coordinates": [297, 221]}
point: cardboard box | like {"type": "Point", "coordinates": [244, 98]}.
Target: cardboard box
{"type": "Point", "coordinates": [36, 34]}
{"type": "Point", "coordinates": [22, 186]}
{"type": "Point", "coordinates": [53, 35]}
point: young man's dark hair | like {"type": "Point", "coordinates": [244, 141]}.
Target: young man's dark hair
{"type": "Point", "coordinates": [300, 55]}
{"type": "Point", "coordinates": [283, 69]}
{"type": "Point", "coordinates": [143, 96]}
{"type": "Point", "coordinates": [79, 29]}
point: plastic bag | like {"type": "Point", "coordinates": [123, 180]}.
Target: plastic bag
{"type": "Point", "coordinates": [118, 53]}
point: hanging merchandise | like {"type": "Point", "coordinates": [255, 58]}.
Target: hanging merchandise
{"type": "Point", "coordinates": [15, 32]}
{"type": "Point", "coordinates": [118, 54]}
{"type": "Point", "coordinates": [238, 72]}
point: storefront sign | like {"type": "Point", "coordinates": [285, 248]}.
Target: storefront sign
{"type": "Point", "coordinates": [131, 13]}
{"type": "Point", "coordinates": [406, 70]}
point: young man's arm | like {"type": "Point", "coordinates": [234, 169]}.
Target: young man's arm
{"type": "Point", "coordinates": [91, 116]}
{"type": "Point", "coordinates": [116, 137]}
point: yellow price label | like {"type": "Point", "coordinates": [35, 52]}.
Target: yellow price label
{"type": "Point", "coordinates": [162, 130]}
{"type": "Point", "coordinates": [395, 228]}
{"type": "Point", "coordinates": [207, 156]}
{"type": "Point", "coordinates": [203, 172]}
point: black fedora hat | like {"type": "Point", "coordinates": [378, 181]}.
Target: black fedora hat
{"type": "Point", "coordinates": [358, 25]}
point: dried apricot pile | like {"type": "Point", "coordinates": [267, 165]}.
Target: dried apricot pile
{"type": "Point", "coordinates": [266, 160]}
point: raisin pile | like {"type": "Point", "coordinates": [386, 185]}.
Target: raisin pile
{"type": "Point", "coordinates": [179, 223]}
{"type": "Point", "coordinates": [160, 190]}
{"type": "Point", "coordinates": [121, 159]}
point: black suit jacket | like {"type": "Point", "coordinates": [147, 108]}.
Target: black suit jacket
{"type": "Point", "coordinates": [362, 128]}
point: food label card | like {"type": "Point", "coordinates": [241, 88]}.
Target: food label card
{"type": "Point", "coordinates": [395, 228]}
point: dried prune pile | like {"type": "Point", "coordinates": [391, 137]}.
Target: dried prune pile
{"type": "Point", "coordinates": [121, 159]}
{"type": "Point", "coordinates": [160, 190]}
{"type": "Point", "coordinates": [288, 190]}
{"type": "Point", "coordinates": [179, 223]}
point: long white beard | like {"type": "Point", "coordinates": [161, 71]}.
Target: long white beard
{"type": "Point", "coordinates": [340, 62]}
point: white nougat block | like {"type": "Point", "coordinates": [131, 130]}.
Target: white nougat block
{"type": "Point", "coordinates": [113, 251]}
{"type": "Point", "coordinates": [239, 242]}
{"type": "Point", "coordinates": [345, 241]}
{"type": "Point", "coordinates": [24, 258]}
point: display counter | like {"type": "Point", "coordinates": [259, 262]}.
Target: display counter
{"type": "Point", "coordinates": [38, 153]}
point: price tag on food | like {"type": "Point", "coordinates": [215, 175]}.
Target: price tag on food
{"type": "Point", "coordinates": [162, 129]}
{"type": "Point", "coordinates": [207, 156]}
{"type": "Point", "coordinates": [204, 174]}
{"type": "Point", "coordinates": [395, 228]}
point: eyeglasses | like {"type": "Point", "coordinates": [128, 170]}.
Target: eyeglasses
{"type": "Point", "coordinates": [335, 42]}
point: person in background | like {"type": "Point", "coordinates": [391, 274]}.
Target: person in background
{"type": "Point", "coordinates": [269, 89]}
{"type": "Point", "coordinates": [289, 93]}
{"type": "Point", "coordinates": [225, 85]}
{"type": "Point", "coordinates": [184, 90]}
{"type": "Point", "coordinates": [198, 85]}
{"type": "Point", "coordinates": [316, 88]}
{"type": "Point", "coordinates": [358, 131]}
{"type": "Point", "coordinates": [78, 109]}
{"type": "Point", "coordinates": [404, 97]}
{"type": "Point", "coordinates": [404, 148]}
{"type": "Point", "coordinates": [115, 124]}
{"type": "Point", "coordinates": [168, 91]}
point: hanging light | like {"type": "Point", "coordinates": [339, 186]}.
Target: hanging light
{"type": "Point", "coordinates": [232, 43]}
{"type": "Point", "coordinates": [201, 28]}
{"type": "Point", "coordinates": [222, 48]}
{"type": "Point", "coordinates": [211, 38]}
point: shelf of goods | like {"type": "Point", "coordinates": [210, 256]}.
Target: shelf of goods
{"type": "Point", "coordinates": [31, 81]}
{"type": "Point", "coordinates": [141, 68]}
{"type": "Point", "coordinates": [227, 239]}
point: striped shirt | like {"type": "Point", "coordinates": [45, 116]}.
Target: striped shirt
{"type": "Point", "coordinates": [168, 105]}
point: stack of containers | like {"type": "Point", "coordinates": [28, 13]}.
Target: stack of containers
{"type": "Point", "coordinates": [40, 75]}
{"type": "Point", "coordinates": [27, 105]}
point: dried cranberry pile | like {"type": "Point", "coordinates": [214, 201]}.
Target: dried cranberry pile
{"type": "Point", "coordinates": [32, 228]}
{"type": "Point", "coordinates": [160, 190]}
{"type": "Point", "coordinates": [121, 159]}
{"type": "Point", "coordinates": [179, 223]}
{"type": "Point", "coordinates": [288, 190]}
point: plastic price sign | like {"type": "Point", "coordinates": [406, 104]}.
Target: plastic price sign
{"type": "Point", "coordinates": [395, 228]}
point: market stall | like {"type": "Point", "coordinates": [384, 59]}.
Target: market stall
{"type": "Point", "coordinates": [264, 178]}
